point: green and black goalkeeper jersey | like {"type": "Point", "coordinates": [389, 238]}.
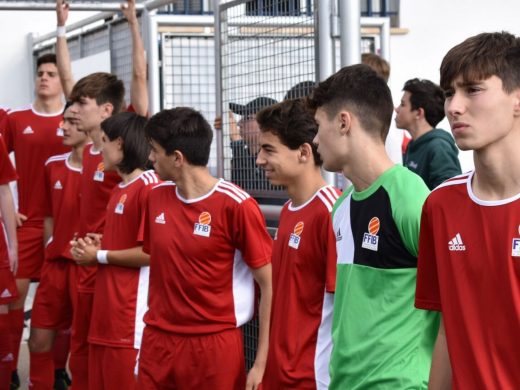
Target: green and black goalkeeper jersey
{"type": "Point", "coordinates": [380, 341]}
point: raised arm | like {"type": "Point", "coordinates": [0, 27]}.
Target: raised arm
{"type": "Point", "coordinates": [62, 49]}
{"type": "Point", "coordinates": [138, 87]}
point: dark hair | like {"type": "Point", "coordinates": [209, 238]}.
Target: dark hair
{"type": "Point", "coordinates": [68, 103]}
{"type": "Point", "coordinates": [482, 56]}
{"type": "Point", "coordinates": [428, 96]}
{"type": "Point", "coordinates": [292, 122]}
{"type": "Point", "coordinates": [378, 64]}
{"type": "Point", "coordinates": [359, 88]}
{"type": "Point", "coordinates": [130, 128]}
{"type": "Point", "coordinates": [49, 58]}
{"type": "Point", "coordinates": [182, 129]}
{"type": "Point", "coordinates": [103, 87]}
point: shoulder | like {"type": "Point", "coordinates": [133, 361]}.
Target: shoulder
{"type": "Point", "coordinates": [19, 111]}
{"type": "Point", "coordinates": [149, 178]}
{"type": "Point", "coordinates": [232, 191]}
{"type": "Point", "coordinates": [164, 186]}
{"type": "Point", "coordinates": [328, 197]}
{"type": "Point", "coordinates": [454, 185]}
{"type": "Point", "coordinates": [59, 158]}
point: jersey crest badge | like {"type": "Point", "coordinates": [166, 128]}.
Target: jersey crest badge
{"type": "Point", "coordinates": [515, 252]}
{"type": "Point", "coordinates": [203, 227]}
{"type": "Point", "coordinates": [59, 132]}
{"type": "Point", "coordinates": [120, 207]}
{"type": "Point", "coordinates": [57, 185]}
{"type": "Point", "coordinates": [99, 175]}
{"type": "Point", "coordinates": [28, 130]}
{"type": "Point", "coordinates": [371, 239]}
{"type": "Point", "coordinates": [295, 238]}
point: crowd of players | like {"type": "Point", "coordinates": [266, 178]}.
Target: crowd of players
{"type": "Point", "coordinates": [150, 273]}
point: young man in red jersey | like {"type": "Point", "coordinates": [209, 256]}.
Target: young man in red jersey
{"type": "Point", "coordinates": [96, 97]}
{"type": "Point", "coordinates": [8, 265]}
{"type": "Point", "coordinates": [304, 250]}
{"type": "Point", "coordinates": [469, 253]}
{"type": "Point", "coordinates": [207, 243]}
{"type": "Point", "coordinates": [121, 291]}
{"type": "Point", "coordinates": [55, 297]}
{"type": "Point", "coordinates": [34, 135]}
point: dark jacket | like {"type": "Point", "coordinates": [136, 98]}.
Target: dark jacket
{"type": "Point", "coordinates": [433, 156]}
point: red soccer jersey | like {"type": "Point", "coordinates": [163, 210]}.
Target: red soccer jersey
{"type": "Point", "coordinates": [121, 294]}
{"type": "Point", "coordinates": [34, 137]}
{"type": "Point", "coordinates": [7, 174]}
{"type": "Point", "coordinates": [62, 193]}
{"type": "Point", "coordinates": [96, 187]}
{"type": "Point", "coordinates": [304, 275]}
{"type": "Point", "coordinates": [469, 269]}
{"type": "Point", "coordinates": [200, 253]}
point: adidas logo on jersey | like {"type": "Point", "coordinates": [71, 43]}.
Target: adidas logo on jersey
{"type": "Point", "coordinates": [6, 294]}
{"type": "Point", "coordinates": [456, 244]}
{"type": "Point", "coordinates": [339, 237]}
{"type": "Point", "coordinates": [57, 185]}
{"type": "Point", "coordinates": [160, 219]}
{"type": "Point", "coordinates": [28, 130]}
{"type": "Point", "coordinates": [8, 358]}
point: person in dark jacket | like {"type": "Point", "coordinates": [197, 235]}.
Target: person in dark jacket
{"type": "Point", "coordinates": [432, 153]}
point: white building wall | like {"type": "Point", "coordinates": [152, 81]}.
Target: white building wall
{"type": "Point", "coordinates": [434, 27]}
{"type": "Point", "coordinates": [15, 64]}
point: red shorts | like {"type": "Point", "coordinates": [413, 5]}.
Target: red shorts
{"type": "Point", "coordinates": [8, 290]}
{"type": "Point", "coordinates": [56, 295]}
{"type": "Point", "coordinates": [171, 361]}
{"type": "Point", "coordinates": [111, 368]}
{"type": "Point", "coordinates": [30, 251]}
{"type": "Point", "coordinates": [87, 279]}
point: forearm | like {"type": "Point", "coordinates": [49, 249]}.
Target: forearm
{"type": "Point", "coordinates": [8, 216]}
{"type": "Point", "coordinates": [266, 293]}
{"type": "Point", "coordinates": [64, 66]}
{"type": "Point", "coordinates": [48, 226]}
{"type": "Point", "coordinates": [132, 257]}
{"type": "Point", "coordinates": [138, 87]}
{"type": "Point", "coordinates": [440, 373]}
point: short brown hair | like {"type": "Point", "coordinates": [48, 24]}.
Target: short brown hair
{"type": "Point", "coordinates": [103, 87]}
{"type": "Point", "coordinates": [359, 88]}
{"type": "Point", "coordinates": [378, 64]}
{"type": "Point", "coordinates": [482, 56]}
{"type": "Point", "coordinates": [49, 58]}
{"type": "Point", "coordinates": [293, 122]}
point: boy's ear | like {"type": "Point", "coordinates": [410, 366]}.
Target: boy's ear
{"type": "Point", "coordinates": [305, 152]}
{"type": "Point", "coordinates": [345, 121]}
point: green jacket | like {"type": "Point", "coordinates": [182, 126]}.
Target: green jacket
{"type": "Point", "coordinates": [434, 157]}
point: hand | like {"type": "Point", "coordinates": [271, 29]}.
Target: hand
{"type": "Point", "coordinates": [217, 124]}
{"type": "Point", "coordinates": [13, 260]}
{"type": "Point", "coordinates": [254, 378]}
{"type": "Point", "coordinates": [234, 131]}
{"type": "Point", "coordinates": [128, 9]}
{"type": "Point", "coordinates": [20, 219]}
{"type": "Point", "coordinates": [62, 12]}
{"type": "Point", "coordinates": [96, 237]}
{"type": "Point", "coordinates": [84, 251]}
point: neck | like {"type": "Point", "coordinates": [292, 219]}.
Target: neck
{"type": "Point", "coordinates": [48, 105]}
{"type": "Point", "coordinates": [76, 157]}
{"type": "Point", "coordinates": [369, 161]}
{"type": "Point", "coordinates": [194, 182]}
{"type": "Point", "coordinates": [95, 136]}
{"type": "Point", "coordinates": [128, 177]}
{"type": "Point", "coordinates": [497, 169]}
{"type": "Point", "coordinates": [303, 188]}
{"type": "Point", "coordinates": [421, 128]}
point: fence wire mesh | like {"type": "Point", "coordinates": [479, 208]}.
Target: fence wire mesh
{"type": "Point", "coordinates": [263, 56]}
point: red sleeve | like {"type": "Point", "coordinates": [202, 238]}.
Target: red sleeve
{"type": "Point", "coordinates": [145, 233]}
{"type": "Point", "coordinates": [6, 130]}
{"type": "Point", "coordinates": [143, 203]}
{"type": "Point", "coordinates": [330, 254]}
{"type": "Point", "coordinates": [427, 294]}
{"type": "Point", "coordinates": [250, 234]}
{"type": "Point", "coordinates": [47, 199]}
{"type": "Point", "coordinates": [7, 172]}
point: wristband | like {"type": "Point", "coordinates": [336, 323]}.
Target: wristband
{"type": "Point", "coordinates": [102, 256]}
{"type": "Point", "coordinates": [61, 31]}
